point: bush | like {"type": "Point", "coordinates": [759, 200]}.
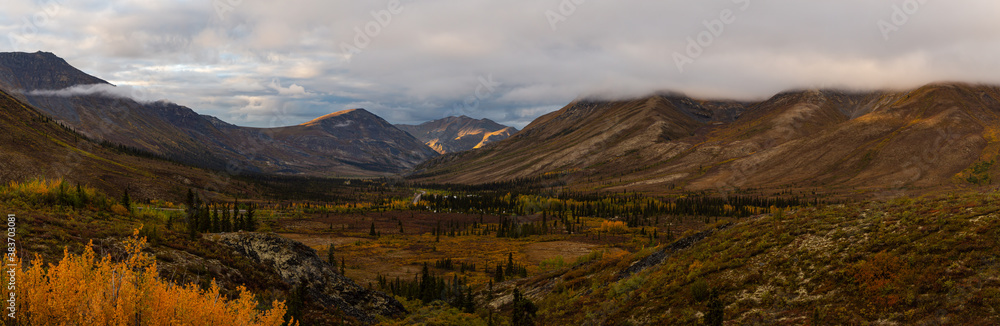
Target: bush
{"type": "Point", "coordinates": [880, 280]}
{"type": "Point", "coordinates": [84, 290]}
{"type": "Point", "coordinates": [552, 263]}
{"type": "Point", "coordinates": [627, 285]}
{"type": "Point", "coordinates": [592, 256]}
{"type": "Point", "coordinates": [55, 192]}
{"type": "Point", "coordinates": [700, 290]}
{"type": "Point", "coordinates": [152, 233]}
{"type": "Point", "coordinates": [614, 227]}
{"type": "Point", "coordinates": [118, 209]}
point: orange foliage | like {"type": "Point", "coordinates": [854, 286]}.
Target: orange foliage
{"type": "Point", "coordinates": [879, 280]}
{"type": "Point", "coordinates": [33, 187]}
{"type": "Point", "coordinates": [614, 227]}
{"type": "Point", "coordinates": [120, 210]}
{"type": "Point", "coordinates": [81, 290]}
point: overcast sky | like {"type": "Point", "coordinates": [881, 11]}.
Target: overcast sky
{"type": "Point", "coordinates": [267, 63]}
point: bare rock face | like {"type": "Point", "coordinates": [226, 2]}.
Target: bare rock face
{"type": "Point", "coordinates": [296, 263]}
{"type": "Point", "coordinates": [457, 134]}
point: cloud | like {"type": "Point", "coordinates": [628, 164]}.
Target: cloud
{"type": "Point", "coordinates": [291, 90]}
{"type": "Point", "coordinates": [426, 60]}
{"type": "Point", "coordinates": [130, 92]}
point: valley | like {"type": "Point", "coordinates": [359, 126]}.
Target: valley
{"type": "Point", "coordinates": [809, 207]}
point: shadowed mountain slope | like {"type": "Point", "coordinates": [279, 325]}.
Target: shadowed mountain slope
{"type": "Point", "coordinates": [177, 132]}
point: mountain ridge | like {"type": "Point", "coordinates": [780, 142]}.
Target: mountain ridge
{"type": "Point", "coordinates": [44, 71]}
{"type": "Point", "coordinates": [457, 134]}
{"type": "Point", "coordinates": [807, 139]}
{"type": "Point", "coordinates": [181, 134]}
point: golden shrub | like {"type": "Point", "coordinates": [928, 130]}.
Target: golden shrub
{"type": "Point", "coordinates": [614, 227]}
{"type": "Point", "coordinates": [82, 290]}
{"type": "Point", "coordinates": [120, 210]}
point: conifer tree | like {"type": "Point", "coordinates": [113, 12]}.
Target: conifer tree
{"type": "Point", "coordinates": [297, 300]}
{"type": "Point", "coordinates": [214, 227]}
{"type": "Point", "coordinates": [523, 312]}
{"type": "Point", "coordinates": [251, 218]}
{"type": "Point", "coordinates": [205, 219]}
{"type": "Point", "coordinates": [193, 210]}
{"type": "Point", "coordinates": [226, 223]}
{"type": "Point", "coordinates": [126, 201]}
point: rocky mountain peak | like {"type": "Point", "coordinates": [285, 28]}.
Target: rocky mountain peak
{"type": "Point", "coordinates": [456, 134]}
{"type": "Point", "coordinates": [40, 70]}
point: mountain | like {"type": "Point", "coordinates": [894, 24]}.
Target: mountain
{"type": "Point", "coordinates": [179, 133]}
{"type": "Point", "coordinates": [34, 146]}
{"type": "Point", "coordinates": [458, 134]}
{"type": "Point", "coordinates": [357, 137]}
{"type": "Point", "coordinates": [939, 134]}
{"type": "Point", "coordinates": [586, 133]}
{"type": "Point", "coordinates": [40, 70]}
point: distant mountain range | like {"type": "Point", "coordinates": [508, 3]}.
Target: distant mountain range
{"type": "Point", "coordinates": [939, 134]}
{"type": "Point", "coordinates": [458, 134]}
{"type": "Point", "coordinates": [34, 146]}
{"type": "Point", "coordinates": [347, 143]}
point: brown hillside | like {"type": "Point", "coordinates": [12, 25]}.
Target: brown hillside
{"type": "Point", "coordinates": [929, 136]}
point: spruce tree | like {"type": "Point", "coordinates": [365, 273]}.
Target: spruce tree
{"type": "Point", "coordinates": [251, 218]}
{"type": "Point", "coordinates": [192, 214]}
{"type": "Point", "coordinates": [214, 227]}
{"type": "Point", "coordinates": [426, 285]}
{"type": "Point", "coordinates": [297, 300]}
{"type": "Point", "coordinates": [716, 310]}
{"type": "Point", "coordinates": [523, 312]}
{"type": "Point", "coordinates": [126, 201]}
{"type": "Point", "coordinates": [81, 196]}
{"type": "Point", "coordinates": [205, 219]}
{"type": "Point", "coordinates": [226, 222]}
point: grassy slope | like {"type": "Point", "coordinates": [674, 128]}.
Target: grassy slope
{"type": "Point", "coordinates": [33, 146]}
{"type": "Point", "coordinates": [811, 141]}
{"type": "Point", "coordinates": [906, 261]}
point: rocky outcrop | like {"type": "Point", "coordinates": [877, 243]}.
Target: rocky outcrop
{"type": "Point", "coordinates": [297, 263]}
{"type": "Point", "coordinates": [658, 257]}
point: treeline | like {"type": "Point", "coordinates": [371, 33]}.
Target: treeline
{"type": "Point", "coordinates": [428, 287]}
{"type": "Point", "coordinates": [449, 264]}
{"type": "Point", "coordinates": [133, 151]}
{"type": "Point", "coordinates": [204, 217]}
{"type": "Point", "coordinates": [523, 185]}
{"type": "Point", "coordinates": [335, 191]}
{"type": "Point", "coordinates": [511, 228]}
{"type": "Point", "coordinates": [635, 209]}
{"type": "Point", "coordinates": [506, 227]}
{"type": "Point", "coordinates": [509, 270]}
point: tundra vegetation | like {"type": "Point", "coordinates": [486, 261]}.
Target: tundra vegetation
{"type": "Point", "coordinates": [511, 255]}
